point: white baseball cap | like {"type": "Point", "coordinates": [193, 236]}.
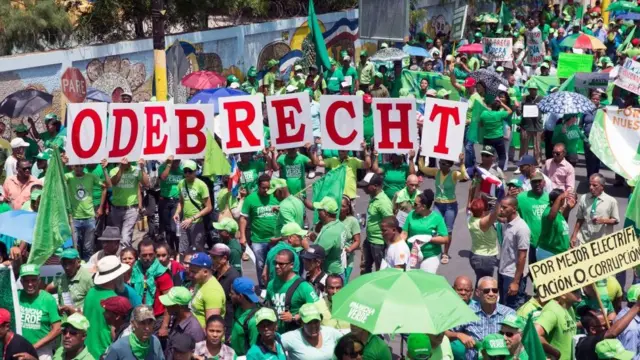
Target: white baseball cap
{"type": "Point", "coordinates": [291, 89]}
{"type": "Point", "coordinates": [18, 143]}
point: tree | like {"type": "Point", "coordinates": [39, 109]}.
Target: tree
{"type": "Point", "coordinates": [33, 25]}
{"type": "Point", "coordinates": [114, 20]}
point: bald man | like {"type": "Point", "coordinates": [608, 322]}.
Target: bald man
{"type": "Point", "coordinates": [405, 199]}
{"type": "Point", "coordinates": [464, 287]}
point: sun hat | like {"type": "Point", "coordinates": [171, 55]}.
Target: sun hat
{"type": "Point", "coordinates": [275, 184]}
{"type": "Point", "coordinates": [110, 233]}
{"type": "Point", "coordinates": [293, 228]}
{"type": "Point", "coordinates": [227, 224]}
{"type": "Point", "coordinates": [245, 286]}
{"type": "Point", "coordinates": [265, 313]}
{"type": "Point", "coordinates": [118, 305]}
{"type": "Point", "coordinates": [327, 204]}
{"type": "Point", "coordinates": [419, 347]}
{"type": "Point", "coordinates": [613, 349]}
{"type": "Point", "coordinates": [309, 312]}
{"type": "Point", "coordinates": [77, 321]}
{"type": "Point", "coordinates": [29, 270]}
{"type": "Point", "coordinates": [177, 295]}
{"type": "Point", "coordinates": [109, 268]}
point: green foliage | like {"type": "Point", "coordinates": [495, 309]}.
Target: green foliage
{"type": "Point", "coordinates": [113, 20]}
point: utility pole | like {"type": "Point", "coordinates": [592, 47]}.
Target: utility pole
{"type": "Point", "coordinates": [159, 54]}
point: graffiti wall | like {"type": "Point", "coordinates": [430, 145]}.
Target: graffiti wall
{"type": "Point", "coordinates": [127, 67]}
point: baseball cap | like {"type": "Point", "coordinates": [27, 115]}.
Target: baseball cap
{"type": "Point", "coordinates": [245, 286]}
{"type": "Point", "coordinates": [118, 305]}
{"type": "Point", "coordinates": [182, 343]}
{"type": "Point", "coordinates": [5, 316]}
{"type": "Point", "coordinates": [35, 194]}
{"type": "Point", "coordinates": [20, 128]}
{"type": "Point", "coordinates": [327, 204]}
{"type": "Point", "coordinates": [469, 82]}
{"type": "Point", "coordinates": [367, 98]}
{"type": "Point", "coordinates": [612, 349]}
{"type": "Point", "coordinates": [364, 53]}
{"type": "Point", "coordinates": [633, 293]}
{"type": "Point", "coordinates": [537, 176]}
{"type": "Point", "coordinates": [488, 150]}
{"type": "Point", "coordinates": [189, 164]}
{"type": "Point", "coordinates": [271, 63]}
{"type": "Point", "coordinates": [371, 179]}
{"type": "Point", "coordinates": [227, 224]}
{"type": "Point", "coordinates": [290, 89]}
{"type": "Point", "coordinates": [494, 345]}
{"type": "Point", "coordinates": [378, 74]}
{"type": "Point", "coordinates": [531, 85]}
{"type": "Point", "coordinates": [293, 228]}
{"type": "Point", "coordinates": [50, 117]}
{"type": "Point", "coordinates": [297, 67]}
{"type": "Point", "coordinates": [419, 347]}
{"type": "Point", "coordinates": [515, 182]}
{"type": "Point", "coordinates": [142, 313]}
{"type": "Point", "coordinates": [232, 78]}
{"type": "Point", "coordinates": [275, 184]}
{"type": "Point", "coordinates": [544, 65]}
{"type": "Point", "coordinates": [384, 45]}
{"type": "Point", "coordinates": [346, 58]}
{"type": "Point", "coordinates": [18, 143]}
{"type": "Point", "coordinates": [177, 295]}
{"type": "Point", "coordinates": [252, 72]}
{"type": "Point", "coordinates": [265, 313]}
{"type": "Point", "coordinates": [29, 270]}
{"type": "Point", "coordinates": [442, 93]}
{"type": "Point", "coordinates": [200, 259]}
{"type": "Point", "coordinates": [77, 321]}
{"type": "Point", "coordinates": [309, 312]}
{"type": "Point", "coordinates": [70, 253]}
{"type": "Point", "coordinates": [514, 321]}
{"type": "Point", "coordinates": [220, 249]}
{"type": "Point", "coordinates": [43, 156]}
{"type": "Point", "coordinates": [314, 252]}
{"type": "Point", "coordinates": [527, 160]}
{"type": "Point", "coordinates": [432, 92]}
{"type": "Point", "coordinates": [500, 69]}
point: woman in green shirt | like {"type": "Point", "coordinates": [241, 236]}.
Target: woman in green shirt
{"type": "Point", "coordinates": [493, 122]}
{"type": "Point", "coordinates": [395, 172]}
{"type": "Point", "coordinates": [554, 236]}
{"type": "Point", "coordinates": [569, 133]}
{"type": "Point", "coordinates": [351, 234]}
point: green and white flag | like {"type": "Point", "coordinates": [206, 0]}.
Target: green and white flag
{"type": "Point", "coordinates": [615, 140]}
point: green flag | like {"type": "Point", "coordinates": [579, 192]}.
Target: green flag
{"type": "Point", "coordinates": [411, 81]}
{"type": "Point", "coordinates": [332, 184]}
{"type": "Point", "coordinates": [625, 45]}
{"type": "Point", "coordinates": [52, 223]}
{"type": "Point", "coordinates": [531, 341]}
{"type": "Point", "coordinates": [505, 15]}
{"type": "Point", "coordinates": [632, 215]}
{"type": "Point", "coordinates": [322, 56]}
{"type": "Point", "coordinates": [215, 162]}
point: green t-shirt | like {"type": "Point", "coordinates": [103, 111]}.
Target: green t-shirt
{"type": "Point", "coordinates": [169, 186]}
{"type": "Point", "coordinates": [432, 224]}
{"type": "Point", "coordinates": [531, 307]}
{"type": "Point", "coordinates": [349, 73]}
{"type": "Point", "coordinates": [37, 315]}
{"type": "Point", "coordinates": [472, 100]}
{"type": "Point", "coordinates": [492, 122]}
{"type": "Point", "coordinates": [276, 293]}
{"type": "Point", "coordinates": [570, 139]}
{"type": "Point", "coordinates": [560, 327]}
{"type": "Point", "coordinates": [97, 187]}
{"type": "Point", "coordinates": [367, 127]}
{"type": "Point", "coordinates": [235, 257]}
{"type": "Point", "coordinates": [255, 353]}
{"type": "Point", "coordinates": [351, 228]}
{"type": "Point", "coordinates": [238, 337]}
{"type": "Point", "coordinates": [99, 334]}
{"type": "Point", "coordinates": [270, 260]}
{"type": "Point", "coordinates": [376, 349]}
{"type": "Point", "coordinates": [332, 239]}
{"type": "Point", "coordinates": [379, 207]}
{"type": "Point", "coordinates": [554, 235]}
{"type": "Point", "coordinates": [199, 193]}
{"type": "Point", "coordinates": [208, 296]}
{"type": "Point", "coordinates": [77, 287]}
{"type": "Point", "coordinates": [353, 164]}
{"type": "Point", "coordinates": [263, 218]}
{"type": "Point", "coordinates": [81, 194]}
{"type": "Point", "coordinates": [394, 178]}
{"type": "Point", "coordinates": [294, 171]}
{"type": "Point", "coordinates": [31, 152]}
{"type": "Point", "coordinates": [334, 79]}
{"type": "Point", "coordinates": [531, 208]}
{"type": "Point", "coordinates": [249, 173]}
{"type": "Point", "coordinates": [125, 193]}
{"type": "Point", "coordinates": [291, 210]}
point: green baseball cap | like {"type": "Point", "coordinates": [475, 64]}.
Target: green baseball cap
{"type": "Point", "coordinates": [43, 156]}
{"type": "Point", "coordinates": [364, 53]}
{"type": "Point", "coordinates": [178, 295]}
{"type": "Point", "coordinates": [29, 270]}
{"type": "Point", "coordinates": [35, 194]}
{"type": "Point", "coordinates": [327, 204]}
{"type": "Point", "coordinates": [494, 345]}
{"type": "Point", "coordinates": [293, 229]}
{"type": "Point", "coordinates": [70, 253]}
{"type": "Point", "coordinates": [189, 164]}
{"type": "Point", "coordinates": [513, 321]}
{"type": "Point", "coordinates": [276, 183]}
{"type": "Point", "coordinates": [232, 78]}
{"type": "Point", "coordinates": [419, 347]}
{"type": "Point", "coordinates": [309, 312]}
{"type": "Point", "coordinates": [265, 313]}
{"type": "Point", "coordinates": [344, 53]}
{"type": "Point", "coordinates": [252, 72]}
{"type": "Point", "coordinates": [271, 63]}
{"type": "Point", "coordinates": [50, 117]}
{"type": "Point", "coordinates": [227, 224]}
{"type": "Point", "coordinates": [478, 34]}
{"type": "Point", "coordinates": [378, 74]}
{"type": "Point", "coordinates": [633, 293]}
{"type": "Point", "coordinates": [515, 182]}
{"type": "Point", "coordinates": [77, 321]}
{"type": "Point", "coordinates": [612, 349]}
{"type": "Point", "coordinates": [442, 93]}
{"type": "Point", "coordinates": [332, 61]}
{"type": "Point", "coordinates": [20, 128]}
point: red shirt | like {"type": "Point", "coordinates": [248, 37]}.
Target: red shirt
{"type": "Point", "coordinates": [164, 282]}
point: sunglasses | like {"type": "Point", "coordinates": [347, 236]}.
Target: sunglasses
{"type": "Point", "coordinates": [71, 331]}
{"type": "Point", "coordinates": [508, 334]}
{"type": "Point", "coordinates": [555, 153]}
{"type": "Point", "coordinates": [282, 263]}
{"type": "Point", "coordinates": [187, 171]}
{"type": "Point", "coordinates": [488, 290]}
{"type": "Point", "coordinates": [26, 169]}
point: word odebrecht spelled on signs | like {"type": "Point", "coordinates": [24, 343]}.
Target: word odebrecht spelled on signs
{"type": "Point", "coordinates": [586, 264]}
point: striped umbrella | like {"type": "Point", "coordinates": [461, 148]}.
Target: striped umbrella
{"type": "Point", "coordinates": [583, 41]}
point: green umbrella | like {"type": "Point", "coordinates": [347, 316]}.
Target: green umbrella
{"type": "Point", "coordinates": [393, 301]}
{"type": "Point", "coordinates": [624, 6]}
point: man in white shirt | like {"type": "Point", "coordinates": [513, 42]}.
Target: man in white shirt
{"type": "Point", "coordinates": [18, 146]}
{"type": "Point", "coordinates": [398, 252]}
{"type": "Point", "coordinates": [528, 168]}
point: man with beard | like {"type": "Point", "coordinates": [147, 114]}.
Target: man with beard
{"type": "Point", "coordinates": [75, 283]}
{"type": "Point", "coordinates": [74, 333]}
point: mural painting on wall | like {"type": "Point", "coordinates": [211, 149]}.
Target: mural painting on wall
{"type": "Point", "coordinates": [436, 25]}
{"type": "Point", "coordinates": [115, 76]}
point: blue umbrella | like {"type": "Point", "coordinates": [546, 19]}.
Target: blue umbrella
{"type": "Point", "coordinates": [416, 51]}
{"type": "Point", "coordinates": [18, 224]}
{"type": "Point", "coordinates": [565, 102]}
{"type": "Point", "coordinates": [627, 16]}
{"type": "Point", "coordinates": [211, 96]}
{"type": "Point", "coordinates": [97, 95]}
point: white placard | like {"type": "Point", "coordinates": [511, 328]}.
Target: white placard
{"type": "Point", "coordinates": [530, 111]}
{"type": "Point", "coordinates": [395, 125]}
{"type": "Point", "coordinates": [497, 49]}
{"type": "Point", "coordinates": [87, 133]}
{"type": "Point", "coordinates": [629, 76]}
{"type": "Point", "coordinates": [125, 131]}
{"type": "Point", "coordinates": [158, 118]}
{"type": "Point", "coordinates": [189, 129]}
{"type": "Point", "coordinates": [241, 126]}
{"type": "Point", "coordinates": [290, 120]}
{"type": "Point", "coordinates": [443, 129]}
{"type": "Point", "coordinates": [341, 122]}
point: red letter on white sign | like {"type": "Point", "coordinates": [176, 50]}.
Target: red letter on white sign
{"type": "Point", "coordinates": [157, 130]}
{"type": "Point", "coordinates": [241, 124]}
{"type": "Point", "coordinates": [86, 140]}
{"type": "Point", "coordinates": [443, 139]}
{"type": "Point", "coordinates": [289, 120]}
{"type": "Point", "coordinates": [395, 125]}
{"type": "Point", "coordinates": [190, 138]}
{"type": "Point", "coordinates": [341, 122]}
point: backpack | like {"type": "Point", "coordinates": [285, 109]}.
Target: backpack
{"type": "Point", "coordinates": [245, 326]}
{"type": "Point", "coordinates": [287, 301]}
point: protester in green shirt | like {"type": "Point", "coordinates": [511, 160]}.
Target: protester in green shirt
{"type": "Point", "coordinates": [269, 79]}
{"type": "Point", "coordinates": [126, 198]}
{"type": "Point", "coordinates": [268, 346]}
{"type": "Point", "coordinates": [38, 311]}
{"type": "Point", "coordinates": [556, 326]}
{"type": "Point", "coordinates": [334, 78]}
{"type": "Point", "coordinates": [374, 347]}
{"type": "Point", "coordinates": [351, 234]}
{"type": "Point", "coordinates": [554, 234]}
{"type": "Point", "coordinates": [293, 167]}
{"type": "Point", "coordinates": [74, 284]}
{"type": "Point", "coordinates": [531, 206]}
{"type": "Point", "coordinates": [395, 172]}
{"type": "Point", "coordinates": [194, 205]}
{"type": "Point", "coordinates": [227, 230]}
{"type": "Point", "coordinates": [53, 126]}
{"type": "Point", "coordinates": [30, 152]}
{"type": "Point", "coordinates": [349, 74]}
{"type": "Point", "coordinates": [366, 71]}
{"type": "Point", "coordinates": [169, 175]}
{"type": "Point", "coordinates": [251, 85]}
{"type": "Point", "coordinates": [493, 122]}
{"type": "Point", "coordinates": [74, 334]}
{"type": "Point", "coordinates": [251, 169]}
{"type": "Point", "coordinates": [331, 236]}
{"type": "Point", "coordinates": [291, 209]}
{"type": "Point", "coordinates": [379, 207]}
{"type": "Point", "coordinates": [298, 78]}
{"type": "Point", "coordinates": [570, 134]}
{"type": "Point", "coordinates": [244, 332]}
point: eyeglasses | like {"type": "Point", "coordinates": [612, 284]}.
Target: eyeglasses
{"type": "Point", "coordinates": [282, 264]}
{"type": "Point", "coordinates": [488, 290]}
{"type": "Point", "coordinates": [71, 331]}
{"type": "Point", "coordinates": [508, 334]}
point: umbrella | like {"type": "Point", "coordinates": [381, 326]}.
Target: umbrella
{"type": "Point", "coordinates": [583, 41]}
{"type": "Point", "coordinates": [204, 80]}
{"type": "Point", "coordinates": [25, 103]}
{"type": "Point", "coordinates": [624, 6]}
{"type": "Point", "coordinates": [211, 96]}
{"type": "Point", "coordinates": [389, 54]}
{"type": "Point", "coordinates": [471, 49]}
{"type": "Point", "coordinates": [628, 15]}
{"type": "Point", "coordinates": [565, 102]}
{"type": "Point", "coordinates": [18, 224]}
{"type": "Point", "coordinates": [487, 18]}
{"type": "Point", "coordinates": [97, 95]}
{"type": "Point", "coordinates": [416, 51]}
{"type": "Point", "coordinates": [393, 301]}
{"type": "Point", "coordinates": [491, 80]}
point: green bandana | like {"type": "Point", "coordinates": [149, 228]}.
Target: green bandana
{"type": "Point", "coordinates": [146, 288]}
{"type": "Point", "coordinates": [139, 349]}
{"type": "Point", "coordinates": [403, 196]}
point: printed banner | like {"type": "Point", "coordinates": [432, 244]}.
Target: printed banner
{"type": "Point", "coordinates": [290, 120]}
{"type": "Point", "coordinates": [535, 47]}
{"type": "Point", "coordinates": [569, 64]}
{"type": "Point", "coordinates": [585, 264]}
{"type": "Point", "coordinates": [395, 125]}
{"type": "Point", "coordinates": [615, 139]}
{"type": "Point", "coordinates": [497, 49]}
{"type": "Point", "coordinates": [589, 80]}
{"type": "Point", "coordinates": [341, 122]}
{"type": "Point", "coordinates": [629, 76]}
{"type": "Point", "coordinates": [443, 128]}
{"type": "Point", "coordinates": [459, 22]}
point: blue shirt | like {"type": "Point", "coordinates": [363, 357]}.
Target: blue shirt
{"type": "Point", "coordinates": [121, 350]}
{"type": "Point", "coordinates": [131, 295]}
{"type": "Point", "coordinates": [487, 324]}
{"type": "Point", "coordinates": [630, 337]}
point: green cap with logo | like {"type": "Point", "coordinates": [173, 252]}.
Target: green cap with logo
{"type": "Point", "coordinates": [494, 345]}
{"type": "Point", "coordinates": [50, 117]}
{"type": "Point", "coordinates": [515, 182]}
{"type": "Point", "coordinates": [77, 321]}
{"type": "Point", "coordinates": [227, 224]}
{"type": "Point", "coordinates": [378, 74]}
{"type": "Point", "coordinates": [513, 321]}
{"type": "Point", "coordinates": [271, 63]}
{"type": "Point", "coordinates": [633, 293]}
{"type": "Point", "coordinates": [29, 270]}
{"type": "Point", "coordinates": [327, 204]}
{"type": "Point", "coordinates": [419, 347]}
{"type": "Point", "coordinates": [70, 253]}
{"type": "Point", "coordinates": [189, 164]}
{"type": "Point", "coordinates": [293, 228]}
{"type": "Point", "coordinates": [613, 349]}
{"type": "Point", "coordinates": [309, 312]}
{"type": "Point", "coordinates": [276, 184]}
{"type": "Point", "coordinates": [177, 295]}
{"type": "Point", "coordinates": [265, 313]}
{"type": "Point", "coordinates": [232, 78]}
{"type": "Point", "coordinates": [43, 156]}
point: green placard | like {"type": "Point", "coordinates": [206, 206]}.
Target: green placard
{"type": "Point", "coordinates": [569, 64]}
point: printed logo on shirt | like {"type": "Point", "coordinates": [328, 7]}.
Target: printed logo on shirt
{"type": "Point", "coordinates": [538, 210]}
{"type": "Point", "coordinates": [359, 312]}
{"type": "Point", "coordinates": [31, 318]}
{"type": "Point", "coordinates": [248, 176]}
{"type": "Point", "coordinates": [265, 211]}
{"type": "Point", "coordinates": [293, 171]}
{"type": "Point", "coordinates": [193, 192]}
{"type": "Point", "coordinates": [81, 193]}
{"type": "Point", "coordinates": [173, 179]}
{"type": "Point", "coordinates": [278, 302]}
{"type": "Point", "coordinates": [128, 181]}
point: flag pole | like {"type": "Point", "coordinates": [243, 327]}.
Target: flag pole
{"type": "Point", "coordinates": [602, 308]}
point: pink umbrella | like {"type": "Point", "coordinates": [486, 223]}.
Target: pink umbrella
{"type": "Point", "coordinates": [470, 49]}
{"type": "Point", "coordinates": [202, 80]}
